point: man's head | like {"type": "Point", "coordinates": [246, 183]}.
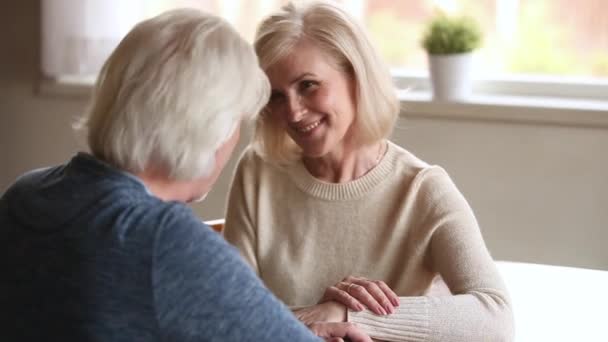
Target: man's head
{"type": "Point", "coordinates": [172, 93]}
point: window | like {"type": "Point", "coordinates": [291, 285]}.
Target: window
{"type": "Point", "coordinates": [530, 46]}
{"type": "Point", "coordinates": [524, 37]}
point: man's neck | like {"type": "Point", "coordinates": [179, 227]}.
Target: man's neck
{"type": "Point", "coordinates": [172, 190]}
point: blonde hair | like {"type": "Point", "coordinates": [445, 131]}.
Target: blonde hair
{"type": "Point", "coordinates": [339, 36]}
{"type": "Point", "coordinates": [171, 93]}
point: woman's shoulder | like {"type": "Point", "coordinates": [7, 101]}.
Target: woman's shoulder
{"type": "Point", "coordinates": [252, 160]}
{"type": "Point", "coordinates": [253, 169]}
{"type": "Point", "coordinates": [405, 157]}
{"type": "Point", "coordinates": [406, 162]}
{"type": "Point", "coordinates": [252, 157]}
{"type": "Point", "coordinates": [249, 155]}
{"type": "Point", "coordinates": [420, 171]}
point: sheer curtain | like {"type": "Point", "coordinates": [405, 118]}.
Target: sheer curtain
{"type": "Point", "coordinates": [78, 35]}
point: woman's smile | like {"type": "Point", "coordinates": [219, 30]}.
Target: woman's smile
{"type": "Point", "coordinates": [307, 129]}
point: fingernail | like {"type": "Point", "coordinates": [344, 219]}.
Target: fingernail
{"type": "Point", "coordinates": [360, 307]}
{"type": "Point", "coordinates": [396, 302]}
{"type": "Point", "coordinates": [389, 309]}
{"type": "Point", "coordinates": [382, 311]}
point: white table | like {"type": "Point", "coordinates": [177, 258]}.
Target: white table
{"type": "Point", "coordinates": [555, 304]}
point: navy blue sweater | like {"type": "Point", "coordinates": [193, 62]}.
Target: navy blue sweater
{"type": "Point", "coordinates": [88, 254]}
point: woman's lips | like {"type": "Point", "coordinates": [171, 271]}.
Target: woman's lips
{"type": "Point", "coordinates": [308, 127]}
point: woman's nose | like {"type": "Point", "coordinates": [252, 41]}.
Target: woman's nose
{"type": "Point", "coordinates": [296, 109]}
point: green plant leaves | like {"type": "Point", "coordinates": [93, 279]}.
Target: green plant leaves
{"type": "Point", "coordinates": [449, 35]}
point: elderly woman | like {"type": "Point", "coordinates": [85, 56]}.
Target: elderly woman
{"type": "Point", "coordinates": [104, 248]}
{"type": "Point", "coordinates": [327, 210]}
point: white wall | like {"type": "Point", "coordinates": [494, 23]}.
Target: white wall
{"type": "Point", "coordinates": [539, 192]}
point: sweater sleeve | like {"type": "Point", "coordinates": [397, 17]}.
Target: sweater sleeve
{"type": "Point", "coordinates": [479, 308]}
{"type": "Point", "coordinates": [239, 227]}
{"type": "Point", "coordinates": [203, 291]}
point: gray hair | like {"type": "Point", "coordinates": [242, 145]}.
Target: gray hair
{"type": "Point", "coordinates": [343, 40]}
{"type": "Point", "coordinates": [171, 93]}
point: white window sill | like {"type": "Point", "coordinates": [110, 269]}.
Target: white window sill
{"type": "Point", "coordinates": [516, 109]}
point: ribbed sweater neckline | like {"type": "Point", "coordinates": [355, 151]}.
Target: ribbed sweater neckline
{"type": "Point", "coordinates": [343, 191]}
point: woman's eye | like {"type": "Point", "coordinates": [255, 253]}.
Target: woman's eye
{"type": "Point", "coordinates": [306, 85]}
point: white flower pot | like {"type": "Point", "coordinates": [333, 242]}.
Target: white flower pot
{"type": "Point", "coordinates": [451, 76]}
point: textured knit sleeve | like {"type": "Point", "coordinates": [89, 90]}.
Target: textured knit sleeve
{"type": "Point", "coordinates": [479, 308]}
{"type": "Point", "coordinates": [240, 228]}
{"type": "Point", "coordinates": [203, 291]}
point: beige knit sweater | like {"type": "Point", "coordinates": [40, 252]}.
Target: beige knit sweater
{"type": "Point", "coordinates": [403, 222]}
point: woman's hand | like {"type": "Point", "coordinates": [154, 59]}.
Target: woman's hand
{"type": "Point", "coordinates": [335, 332]}
{"type": "Point", "coordinates": [329, 311]}
{"type": "Point", "coordinates": [357, 293]}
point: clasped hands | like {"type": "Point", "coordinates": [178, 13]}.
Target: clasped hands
{"type": "Point", "coordinates": [356, 293]}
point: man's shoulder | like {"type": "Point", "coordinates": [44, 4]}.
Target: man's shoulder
{"type": "Point", "coordinates": [32, 178]}
{"type": "Point", "coordinates": [172, 216]}
{"type": "Point", "coordinates": [177, 224]}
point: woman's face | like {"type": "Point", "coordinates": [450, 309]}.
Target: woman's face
{"type": "Point", "coordinates": [313, 100]}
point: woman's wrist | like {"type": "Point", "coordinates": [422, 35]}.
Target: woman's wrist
{"type": "Point", "coordinates": [325, 312]}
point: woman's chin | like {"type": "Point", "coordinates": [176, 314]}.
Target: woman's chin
{"type": "Point", "coordinates": [314, 148]}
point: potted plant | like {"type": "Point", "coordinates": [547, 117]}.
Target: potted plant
{"type": "Point", "coordinates": [449, 43]}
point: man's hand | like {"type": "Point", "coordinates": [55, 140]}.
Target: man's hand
{"type": "Point", "coordinates": [338, 331]}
